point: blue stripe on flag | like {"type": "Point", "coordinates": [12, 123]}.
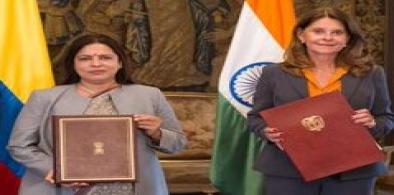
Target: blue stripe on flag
{"type": "Point", "coordinates": [10, 107]}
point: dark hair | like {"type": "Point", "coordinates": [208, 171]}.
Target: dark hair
{"type": "Point", "coordinates": [351, 56]}
{"type": "Point", "coordinates": [80, 42]}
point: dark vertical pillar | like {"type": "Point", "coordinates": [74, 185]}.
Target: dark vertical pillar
{"type": "Point", "coordinates": [389, 55]}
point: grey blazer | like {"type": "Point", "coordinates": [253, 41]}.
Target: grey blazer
{"type": "Point", "coordinates": [31, 138]}
{"type": "Point", "coordinates": [277, 87]}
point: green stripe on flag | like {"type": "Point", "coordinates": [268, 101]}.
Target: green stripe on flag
{"type": "Point", "coordinates": [234, 153]}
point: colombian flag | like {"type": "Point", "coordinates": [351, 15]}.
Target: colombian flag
{"type": "Point", "coordinates": [262, 33]}
{"type": "Point", "coordinates": [24, 67]}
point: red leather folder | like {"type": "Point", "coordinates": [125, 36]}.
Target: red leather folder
{"type": "Point", "coordinates": [321, 138]}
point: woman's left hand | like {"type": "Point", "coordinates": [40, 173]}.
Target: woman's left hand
{"type": "Point", "coordinates": [364, 117]}
{"type": "Point", "coordinates": [150, 125]}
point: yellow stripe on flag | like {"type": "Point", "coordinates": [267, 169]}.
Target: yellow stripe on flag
{"type": "Point", "coordinates": [24, 60]}
{"type": "Point", "coordinates": [277, 16]}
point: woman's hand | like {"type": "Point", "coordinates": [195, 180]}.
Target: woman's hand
{"type": "Point", "coordinates": [150, 125]}
{"type": "Point", "coordinates": [75, 185]}
{"type": "Point", "coordinates": [49, 177]}
{"type": "Point", "coordinates": [273, 135]}
{"type": "Point", "coordinates": [364, 117]}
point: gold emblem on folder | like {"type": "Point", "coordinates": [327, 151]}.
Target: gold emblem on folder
{"type": "Point", "coordinates": [313, 123]}
{"type": "Point", "coordinates": [98, 148]}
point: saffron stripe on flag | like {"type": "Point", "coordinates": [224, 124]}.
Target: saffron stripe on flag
{"type": "Point", "coordinates": [278, 25]}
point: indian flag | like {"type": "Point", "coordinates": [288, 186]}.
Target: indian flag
{"type": "Point", "coordinates": [263, 31]}
{"type": "Point", "coordinates": [24, 67]}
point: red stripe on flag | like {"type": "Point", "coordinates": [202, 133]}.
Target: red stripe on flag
{"type": "Point", "coordinates": [9, 183]}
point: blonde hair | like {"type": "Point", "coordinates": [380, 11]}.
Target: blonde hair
{"type": "Point", "coordinates": [352, 56]}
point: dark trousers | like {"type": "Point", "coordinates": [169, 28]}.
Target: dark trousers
{"type": "Point", "coordinates": [275, 185]}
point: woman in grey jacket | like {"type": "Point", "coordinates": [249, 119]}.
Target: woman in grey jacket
{"type": "Point", "coordinates": [96, 83]}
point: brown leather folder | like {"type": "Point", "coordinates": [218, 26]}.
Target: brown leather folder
{"type": "Point", "coordinates": [321, 138]}
{"type": "Point", "coordinates": [94, 148]}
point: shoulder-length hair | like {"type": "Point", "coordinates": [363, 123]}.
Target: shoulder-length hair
{"type": "Point", "coordinates": [352, 56]}
{"type": "Point", "coordinates": [77, 44]}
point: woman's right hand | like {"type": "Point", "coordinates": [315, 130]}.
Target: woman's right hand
{"type": "Point", "coordinates": [274, 135]}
